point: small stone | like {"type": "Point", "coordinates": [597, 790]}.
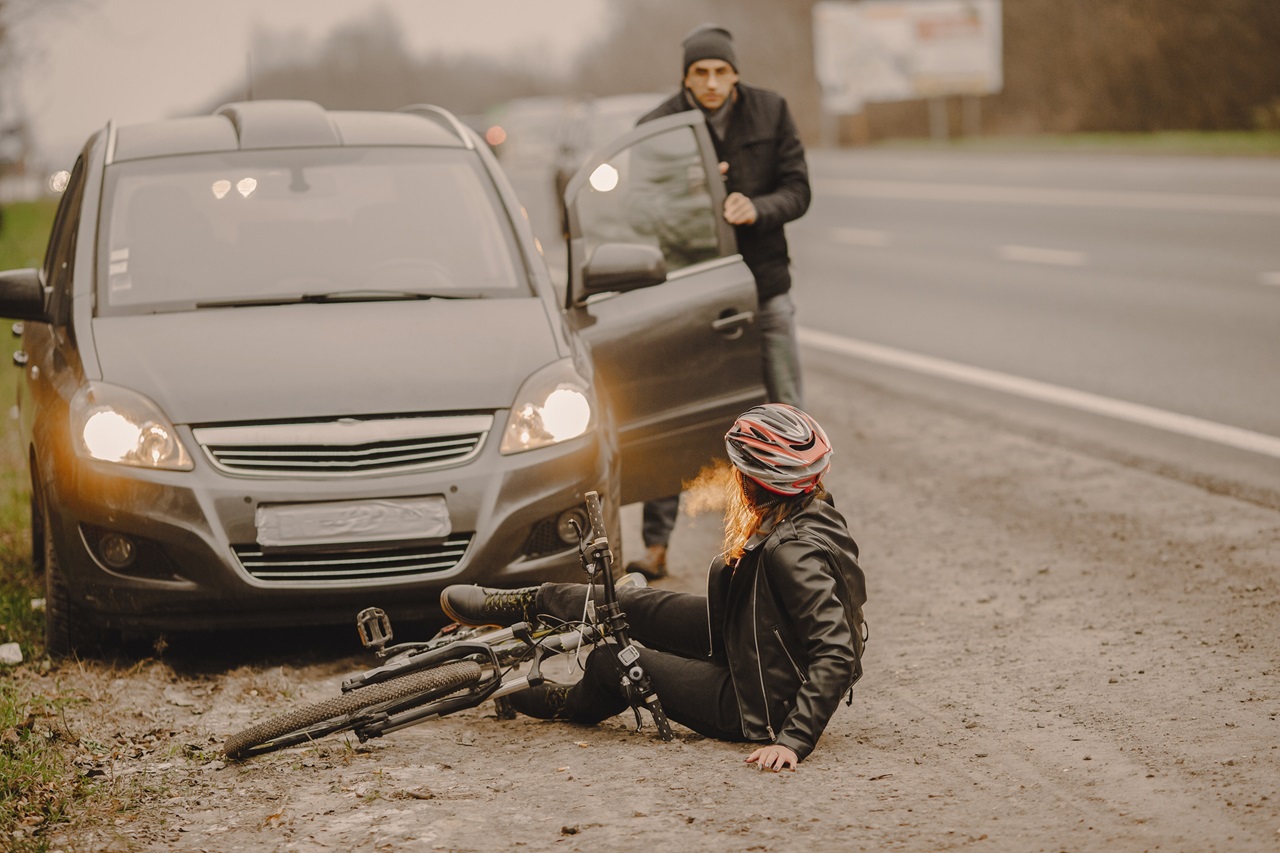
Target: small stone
{"type": "Point", "coordinates": [11, 653]}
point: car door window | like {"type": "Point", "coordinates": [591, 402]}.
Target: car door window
{"type": "Point", "coordinates": [654, 192]}
{"type": "Point", "coordinates": [675, 358]}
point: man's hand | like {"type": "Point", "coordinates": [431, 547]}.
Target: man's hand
{"type": "Point", "coordinates": [773, 757]}
{"type": "Point", "coordinates": [738, 210]}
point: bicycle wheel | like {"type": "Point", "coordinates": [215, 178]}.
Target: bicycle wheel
{"type": "Point", "coordinates": [337, 713]}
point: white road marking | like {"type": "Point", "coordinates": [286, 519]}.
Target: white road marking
{"type": "Point", "coordinates": [1256, 442]}
{"type": "Point", "coordinates": [1051, 196]}
{"type": "Point", "coordinates": [859, 237]}
{"type": "Point", "coordinates": [1030, 254]}
{"type": "Point", "coordinates": [1271, 278]}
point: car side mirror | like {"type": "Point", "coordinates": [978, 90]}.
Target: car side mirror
{"type": "Point", "coordinates": [22, 295]}
{"type": "Point", "coordinates": [623, 266]}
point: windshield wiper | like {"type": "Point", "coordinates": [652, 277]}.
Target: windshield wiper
{"type": "Point", "coordinates": [375, 296]}
{"type": "Point", "coordinates": [336, 296]}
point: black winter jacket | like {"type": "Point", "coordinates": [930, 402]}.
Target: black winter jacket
{"type": "Point", "coordinates": [788, 622]}
{"type": "Point", "coordinates": [767, 165]}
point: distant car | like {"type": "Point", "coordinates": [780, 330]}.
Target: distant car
{"type": "Point", "coordinates": [525, 131]}
{"type": "Point", "coordinates": [593, 122]}
{"type": "Point", "coordinates": [281, 364]}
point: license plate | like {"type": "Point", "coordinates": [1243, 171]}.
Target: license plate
{"type": "Point", "coordinates": [348, 522]}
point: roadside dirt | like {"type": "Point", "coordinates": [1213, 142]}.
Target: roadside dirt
{"type": "Point", "coordinates": [1066, 654]}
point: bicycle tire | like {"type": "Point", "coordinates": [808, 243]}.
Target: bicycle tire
{"type": "Point", "coordinates": [335, 714]}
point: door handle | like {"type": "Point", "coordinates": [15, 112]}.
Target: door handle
{"type": "Point", "coordinates": [731, 323]}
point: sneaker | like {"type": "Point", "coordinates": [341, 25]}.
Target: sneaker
{"type": "Point", "coordinates": [544, 702]}
{"type": "Point", "coordinates": [468, 604]}
{"type": "Point", "coordinates": [653, 565]}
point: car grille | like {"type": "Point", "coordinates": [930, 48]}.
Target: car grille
{"type": "Point", "coordinates": [345, 447]}
{"type": "Point", "coordinates": [363, 565]}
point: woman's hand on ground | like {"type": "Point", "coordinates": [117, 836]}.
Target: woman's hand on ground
{"type": "Point", "coordinates": [773, 757]}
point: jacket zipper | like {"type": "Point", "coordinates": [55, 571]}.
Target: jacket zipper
{"type": "Point", "coordinates": [711, 643]}
{"type": "Point", "coordinates": [804, 679]}
{"type": "Point", "coordinates": [755, 635]}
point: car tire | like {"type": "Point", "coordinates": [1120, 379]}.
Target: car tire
{"type": "Point", "coordinates": [66, 631]}
{"type": "Point", "coordinates": [37, 530]}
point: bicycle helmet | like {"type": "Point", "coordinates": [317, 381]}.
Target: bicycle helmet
{"type": "Point", "coordinates": [780, 447]}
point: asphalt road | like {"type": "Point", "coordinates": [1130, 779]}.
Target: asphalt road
{"type": "Point", "coordinates": [1155, 281]}
{"type": "Point", "coordinates": [1147, 287]}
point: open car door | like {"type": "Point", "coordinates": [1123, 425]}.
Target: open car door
{"type": "Point", "coordinates": [658, 290]}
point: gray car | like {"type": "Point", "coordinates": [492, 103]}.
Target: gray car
{"type": "Point", "coordinates": [283, 363]}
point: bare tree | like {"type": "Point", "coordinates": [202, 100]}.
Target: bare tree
{"type": "Point", "coordinates": [365, 64]}
{"type": "Point", "coordinates": [15, 135]}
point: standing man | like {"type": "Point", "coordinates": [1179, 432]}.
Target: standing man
{"type": "Point", "coordinates": [767, 181]}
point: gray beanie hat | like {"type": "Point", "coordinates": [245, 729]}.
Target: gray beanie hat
{"type": "Point", "coordinates": [708, 41]}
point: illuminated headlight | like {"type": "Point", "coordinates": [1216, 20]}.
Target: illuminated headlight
{"type": "Point", "coordinates": [554, 405]}
{"type": "Point", "coordinates": [118, 425]}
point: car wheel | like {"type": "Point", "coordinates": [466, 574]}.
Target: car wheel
{"type": "Point", "coordinates": [37, 530]}
{"type": "Point", "coordinates": [66, 632]}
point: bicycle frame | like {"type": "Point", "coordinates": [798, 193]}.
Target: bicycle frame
{"type": "Point", "coordinates": [497, 652]}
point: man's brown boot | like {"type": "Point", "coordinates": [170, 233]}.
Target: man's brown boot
{"type": "Point", "coordinates": [653, 565]}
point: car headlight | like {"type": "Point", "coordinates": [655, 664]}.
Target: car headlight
{"type": "Point", "coordinates": [555, 404]}
{"type": "Point", "coordinates": [115, 424]}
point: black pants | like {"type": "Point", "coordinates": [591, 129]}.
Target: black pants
{"type": "Point", "coordinates": [672, 626]}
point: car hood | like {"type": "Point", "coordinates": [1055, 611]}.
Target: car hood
{"type": "Point", "coordinates": [338, 359]}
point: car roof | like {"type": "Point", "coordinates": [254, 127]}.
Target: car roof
{"type": "Point", "coordinates": [257, 125]}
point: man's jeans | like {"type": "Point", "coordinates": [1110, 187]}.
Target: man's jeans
{"type": "Point", "coordinates": [780, 357]}
{"type": "Point", "coordinates": [779, 352]}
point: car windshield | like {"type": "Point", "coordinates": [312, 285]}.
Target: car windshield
{"type": "Point", "coordinates": [323, 224]}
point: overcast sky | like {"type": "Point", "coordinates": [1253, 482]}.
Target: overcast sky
{"type": "Point", "coordinates": [136, 60]}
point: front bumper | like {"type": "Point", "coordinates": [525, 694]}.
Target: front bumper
{"type": "Point", "coordinates": [191, 525]}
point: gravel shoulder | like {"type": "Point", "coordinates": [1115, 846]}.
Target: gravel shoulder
{"type": "Point", "coordinates": [1067, 653]}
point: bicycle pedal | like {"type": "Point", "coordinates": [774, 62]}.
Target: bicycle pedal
{"type": "Point", "coordinates": [374, 627]}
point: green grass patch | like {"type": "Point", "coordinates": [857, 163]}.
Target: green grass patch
{"type": "Point", "coordinates": [1261, 143]}
{"type": "Point", "coordinates": [22, 241]}
{"type": "Point", "coordinates": [25, 233]}
{"type": "Point", "coordinates": [40, 786]}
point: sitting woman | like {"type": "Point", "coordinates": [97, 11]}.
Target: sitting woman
{"type": "Point", "coordinates": [767, 654]}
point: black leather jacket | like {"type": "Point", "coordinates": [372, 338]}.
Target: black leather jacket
{"type": "Point", "coordinates": [781, 619]}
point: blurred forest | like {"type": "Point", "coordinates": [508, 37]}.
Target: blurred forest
{"type": "Point", "coordinates": [1082, 65]}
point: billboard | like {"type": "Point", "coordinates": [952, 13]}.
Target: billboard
{"type": "Point", "coordinates": [900, 50]}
